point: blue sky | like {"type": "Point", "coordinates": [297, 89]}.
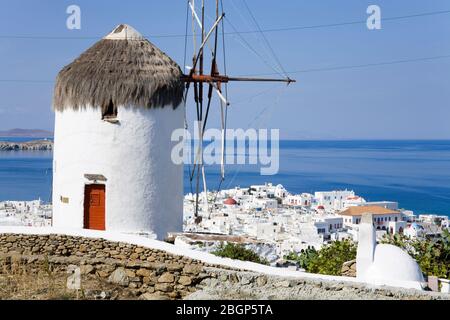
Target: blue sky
{"type": "Point", "coordinates": [395, 101]}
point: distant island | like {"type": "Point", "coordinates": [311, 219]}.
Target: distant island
{"type": "Point", "coordinates": [37, 145]}
{"type": "Point", "coordinates": [26, 133]}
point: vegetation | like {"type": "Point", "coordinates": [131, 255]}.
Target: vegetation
{"type": "Point", "coordinates": [238, 252]}
{"type": "Point", "coordinates": [303, 258]}
{"type": "Point", "coordinates": [432, 255]}
{"type": "Point", "coordinates": [328, 260]}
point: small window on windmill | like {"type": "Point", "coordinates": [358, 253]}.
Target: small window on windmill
{"type": "Point", "coordinates": [109, 112]}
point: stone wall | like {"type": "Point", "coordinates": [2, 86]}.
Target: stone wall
{"type": "Point", "coordinates": [228, 284]}
{"type": "Point", "coordinates": [145, 272]}
{"type": "Point", "coordinates": [349, 268]}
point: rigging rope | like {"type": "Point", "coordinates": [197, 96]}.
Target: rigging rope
{"type": "Point", "coordinates": [261, 47]}
{"type": "Point", "coordinates": [224, 122]}
{"type": "Point", "coordinates": [265, 39]}
{"type": "Point", "coordinates": [251, 49]}
{"type": "Point", "coordinates": [186, 126]}
{"type": "Point", "coordinates": [258, 116]}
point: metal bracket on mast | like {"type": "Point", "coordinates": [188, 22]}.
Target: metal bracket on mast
{"type": "Point", "coordinates": [197, 78]}
{"type": "Point", "coordinates": [214, 80]}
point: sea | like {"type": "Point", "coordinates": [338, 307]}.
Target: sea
{"type": "Point", "coordinates": [414, 173]}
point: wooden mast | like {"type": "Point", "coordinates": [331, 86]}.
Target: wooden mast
{"type": "Point", "coordinates": [214, 80]}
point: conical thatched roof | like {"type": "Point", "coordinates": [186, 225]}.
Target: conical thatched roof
{"type": "Point", "coordinates": [123, 68]}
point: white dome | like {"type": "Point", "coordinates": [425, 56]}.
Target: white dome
{"type": "Point", "coordinates": [391, 265]}
{"type": "Point", "coordinates": [384, 264]}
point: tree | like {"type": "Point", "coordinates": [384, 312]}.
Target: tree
{"type": "Point", "coordinates": [328, 260]}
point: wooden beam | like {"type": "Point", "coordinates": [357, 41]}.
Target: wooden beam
{"type": "Point", "coordinates": [225, 79]}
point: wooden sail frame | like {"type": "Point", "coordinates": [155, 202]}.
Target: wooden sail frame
{"type": "Point", "coordinates": [214, 81]}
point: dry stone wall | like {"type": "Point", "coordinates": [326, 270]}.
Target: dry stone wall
{"type": "Point", "coordinates": [144, 273]}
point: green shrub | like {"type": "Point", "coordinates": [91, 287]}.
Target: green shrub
{"type": "Point", "coordinates": [238, 252]}
{"type": "Point", "coordinates": [432, 255]}
{"type": "Point", "coordinates": [328, 260]}
{"type": "Point", "coordinates": [303, 258]}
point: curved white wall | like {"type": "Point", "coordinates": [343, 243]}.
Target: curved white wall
{"type": "Point", "coordinates": [144, 189]}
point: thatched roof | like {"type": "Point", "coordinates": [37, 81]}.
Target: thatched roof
{"type": "Point", "coordinates": [123, 68]}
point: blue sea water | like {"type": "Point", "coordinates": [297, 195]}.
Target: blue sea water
{"type": "Point", "coordinates": [414, 173]}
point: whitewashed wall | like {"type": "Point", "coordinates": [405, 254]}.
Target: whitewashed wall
{"type": "Point", "coordinates": [144, 190]}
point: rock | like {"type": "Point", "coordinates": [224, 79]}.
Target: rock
{"type": "Point", "coordinates": [119, 276]}
{"type": "Point", "coordinates": [143, 273]}
{"type": "Point", "coordinates": [164, 287]}
{"type": "Point", "coordinates": [245, 279]}
{"type": "Point", "coordinates": [192, 269]}
{"type": "Point", "coordinates": [102, 273]}
{"type": "Point", "coordinates": [134, 279]}
{"type": "Point", "coordinates": [223, 277]}
{"type": "Point", "coordinates": [139, 250]}
{"type": "Point", "coordinates": [174, 267]}
{"type": "Point", "coordinates": [148, 280]}
{"type": "Point", "coordinates": [283, 284]}
{"type": "Point", "coordinates": [11, 239]}
{"type": "Point", "coordinates": [134, 256]}
{"type": "Point", "coordinates": [133, 264]}
{"type": "Point", "coordinates": [130, 273]}
{"type": "Point", "coordinates": [16, 251]}
{"type": "Point", "coordinates": [32, 259]}
{"type": "Point", "coordinates": [174, 295]}
{"type": "Point", "coordinates": [16, 258]}
{"type": "Point", "coordinates": [74, 280]}
{"type": "Point", "coordinates": [185, 280]}
{"type": "Point", "coordinates": [103, 295]}
{"type": "Point", "coordinates": [166, 278]}
{"type": "Point", "coordinates": [233, 278]}
{"type": "Point", "coordinates": [87, 269]}
{"type": "Point", "coordinates": [153, 296]}
{"type": "Point", "coordinates": [349, 268]}
{"type": "Point", "coordinates": [261, 281]}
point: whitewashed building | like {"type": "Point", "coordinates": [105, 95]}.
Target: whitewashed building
{"type": "Point", "coordinates": [392, 205]}
{"type": "Point", "coordinates": [332, 200]}
{"type": "Point", "coordinates": [383, 219]}
{"type": "Point", "coordinates": [299, 200]}
{"type": "Point", "coordinates": [270, 231]}
{"type": "Point", "coordinates": [116, 107]}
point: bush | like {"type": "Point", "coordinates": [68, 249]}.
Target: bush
{"type": "Point", "coordinates": [238, 252]}
{"type": "Point", "coordinates": [328, 260]}
{"type": "Point", "coordinates": [304, 258]}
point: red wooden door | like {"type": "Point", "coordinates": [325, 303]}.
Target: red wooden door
{"type": "Point", "coordinates": [94, 207]}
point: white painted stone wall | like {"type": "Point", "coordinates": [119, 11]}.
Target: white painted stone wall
{"type": "Point", "coordinates": [143, 188]}
{"type": "Point", "coordinates": [198, 255]}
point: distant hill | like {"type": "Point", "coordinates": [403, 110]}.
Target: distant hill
{"type": "Point", "coordinates": [31, 133]}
